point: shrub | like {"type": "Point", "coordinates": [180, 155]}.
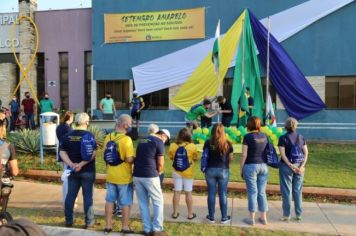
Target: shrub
{"type": "Point", "coordinates": [26, 141]}
{"type": "Point", "coordinates": [99, 135]}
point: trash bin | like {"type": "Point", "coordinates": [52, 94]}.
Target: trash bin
{"type": "Point", "coordinates": [49, 122]}
{"type": "Point", "coordinates": [48, 138]}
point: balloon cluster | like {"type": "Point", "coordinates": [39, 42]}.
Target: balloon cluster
{"type": "Point", "coordinates": [235, 135]}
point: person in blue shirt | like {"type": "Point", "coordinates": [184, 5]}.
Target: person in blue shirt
{"type": "Point", "coordinates": [82, 166]}
{"type": "Point", "coordinates": [137, 104]}
{"type": "Point", "coordinates": [254, 170]}
{"type": "Point", "coordinates": [291, 174]}
{"type": "Point", "coordinates": [63, 129]}
{"type": "Point", "coordinates": [15, 110]}
{"type": "Point", "coordinates": [148, 164]}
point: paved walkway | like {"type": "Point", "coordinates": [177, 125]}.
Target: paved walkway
{"type": "Point", "coordinates": [334, 219]}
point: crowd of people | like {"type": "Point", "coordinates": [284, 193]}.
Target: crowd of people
{"type": "Point", "coordinates": [141, 171]}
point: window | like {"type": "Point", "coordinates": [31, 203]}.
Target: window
{"type": "Point", "coordinates": [119, 90]}
{"type": "Point", "coordinates": [40, 75]}
{"type": "Point", "coordinates": [157, 100]}
{"type": "Point", "coordinates": [63, 80]}
{"type": "Point", "coordinates": [87, 81]}
{"type": "Point", "coordinates": [340, 92]}
{"type": "Point", "coordinates": [227, 88]}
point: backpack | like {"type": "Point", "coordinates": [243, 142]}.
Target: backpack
{"type": "Point", "coordinates": [270, 155]}
{"type": "Point", "coordinates": [296, 154]}
{"type": "Point", "coordinates": [204, 159]}
{"type": "Point", "coordinates": [111, 154]}
{"type": "Point", "coordinates": [87, 146]}
{"type": "Point", "coordinates": [181, 160]}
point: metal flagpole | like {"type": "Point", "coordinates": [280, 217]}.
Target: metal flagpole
{"type": "Point", "coordinates": [218, 85]}
{"type": "Point", "coordinates": [267, 70]}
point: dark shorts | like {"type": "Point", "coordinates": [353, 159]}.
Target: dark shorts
{"type": "Point", "coordinates": [135, 115]}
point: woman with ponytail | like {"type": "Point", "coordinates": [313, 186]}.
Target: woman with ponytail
{"type": "Point", "coordinates": [219, 155]}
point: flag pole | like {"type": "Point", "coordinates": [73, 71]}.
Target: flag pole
{"type": "Point", "coordinates": [267, 66]}
{"type": "Point", "coordinates": [218, 82]}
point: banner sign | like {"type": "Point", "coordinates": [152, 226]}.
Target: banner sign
{"type": "Point", "coordinates": [154, 26]}
{"type": "Point", "coordinates": [7, 20]}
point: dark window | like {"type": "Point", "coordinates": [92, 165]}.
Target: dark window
{"type": "Point", "coordinates": [332, 94]}
{"type": "Point", "coordinates": [227, 88]}
{"type": "Point", "coordinates": [87, 81]}
{"type": "Point", "coordinates": [63, 80]}
{"type": "Point", "coordinates": [119, 90]}
{"type": "Point", "coordinates": [157, 100]}
{"type": "Point", "coordinates": [340, 92]}
{"type": "Point", "coordinates": [40, 75]}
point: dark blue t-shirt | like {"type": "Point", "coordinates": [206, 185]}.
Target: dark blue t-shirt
{"type": "Point", "coordinates": [256, 143]}
{"type": "Point", "coordinates": [215, 159]}
{"type": "Point", "coordinates": [287, 142]}
{"type": "Point", "coordinates": [14, 106]}
{"type": "Point", "coordinates": [62, 130]}
{"type": "Point", "coordinates": [71, 145]}
{"type": "Point", "coordinates": [226, 106]}
{"type": "Point", "coordinates": [147, 152]}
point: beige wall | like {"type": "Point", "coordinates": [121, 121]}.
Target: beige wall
{"type": "Point", "coordinates": [7, 82]}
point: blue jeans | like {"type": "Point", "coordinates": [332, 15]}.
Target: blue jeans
{"type": "Point", "coordinates": [75, 181]}
{"type": "Point", "coordinates": [256, 176]}
{"type": "Point", "coordinates": [30, 122]}
{"type": "Point", "coordinates": [291, 184]}
{"type": "Point", "coordinates": [14, 117]}
{"type": "Point", "coordinates": [146, 189]}
{"type": "Point", "coordinates": [219, 177]}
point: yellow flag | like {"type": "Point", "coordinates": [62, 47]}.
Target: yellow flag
{"type": "Point", "coordinates": [203, 81]}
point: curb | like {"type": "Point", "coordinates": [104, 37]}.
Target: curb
{"type": "Point", "coordinates": [200, 185]}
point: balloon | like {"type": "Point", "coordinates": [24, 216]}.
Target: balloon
{"type": "Point", "coordinates": [206, 131]}
{"type": "Point", "coordinates": [198, 130]}
{"type": "Point", "coordinates": [280, 130]}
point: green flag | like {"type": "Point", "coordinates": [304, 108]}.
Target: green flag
{"type": "Point", "coordinates": [216, 48]}
{"type": "Point", "coordinates": [246, 74]}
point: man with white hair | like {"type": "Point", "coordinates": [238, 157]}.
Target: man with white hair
{"type": "Point", "coordinates": [149, 163]}
{"type": "Point", "coordinates": [78, 151]}
{"type": "Point", "coordinates": [119, 174]}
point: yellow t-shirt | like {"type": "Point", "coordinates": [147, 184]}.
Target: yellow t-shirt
{"type": "Point", "coordinates": [192, 156]}
{"type": "Point", "coordinates": [120, 174]}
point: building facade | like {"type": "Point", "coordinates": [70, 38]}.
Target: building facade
{"type": "Point", "coordinates": [73, 48]}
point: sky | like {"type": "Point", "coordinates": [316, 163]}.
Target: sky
{"type": "Point", "coordinates": [12, 5]}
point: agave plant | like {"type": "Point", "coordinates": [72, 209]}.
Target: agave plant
{"type": "Point", "coordinates": [26, 141]}
{"type": "Point", "coordinates": [99, 135]}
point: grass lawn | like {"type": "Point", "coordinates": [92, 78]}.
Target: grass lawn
{"type": "Point", "coordinates": [55, 218]}
{"type": "Point", "coordinates": [329, 165]}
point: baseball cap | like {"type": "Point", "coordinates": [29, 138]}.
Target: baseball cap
{"type": "Point", "coordinates": [166, 132]}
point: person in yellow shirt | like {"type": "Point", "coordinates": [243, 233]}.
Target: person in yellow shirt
{"type": "Point", "coordinates": [183, 180]}
{"type": "Point", "coordinates": [119, 185]}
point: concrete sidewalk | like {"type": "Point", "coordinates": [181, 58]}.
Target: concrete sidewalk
{"type": "Point", "coordinates": [334, 219]}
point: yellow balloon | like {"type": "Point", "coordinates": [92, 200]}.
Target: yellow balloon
{"type": "Point", "coordinates": [198, 130]}
{"type": "Point", "coordinates": [280, 130]}
{"type": "Point", "coordinates": [205, 131]}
